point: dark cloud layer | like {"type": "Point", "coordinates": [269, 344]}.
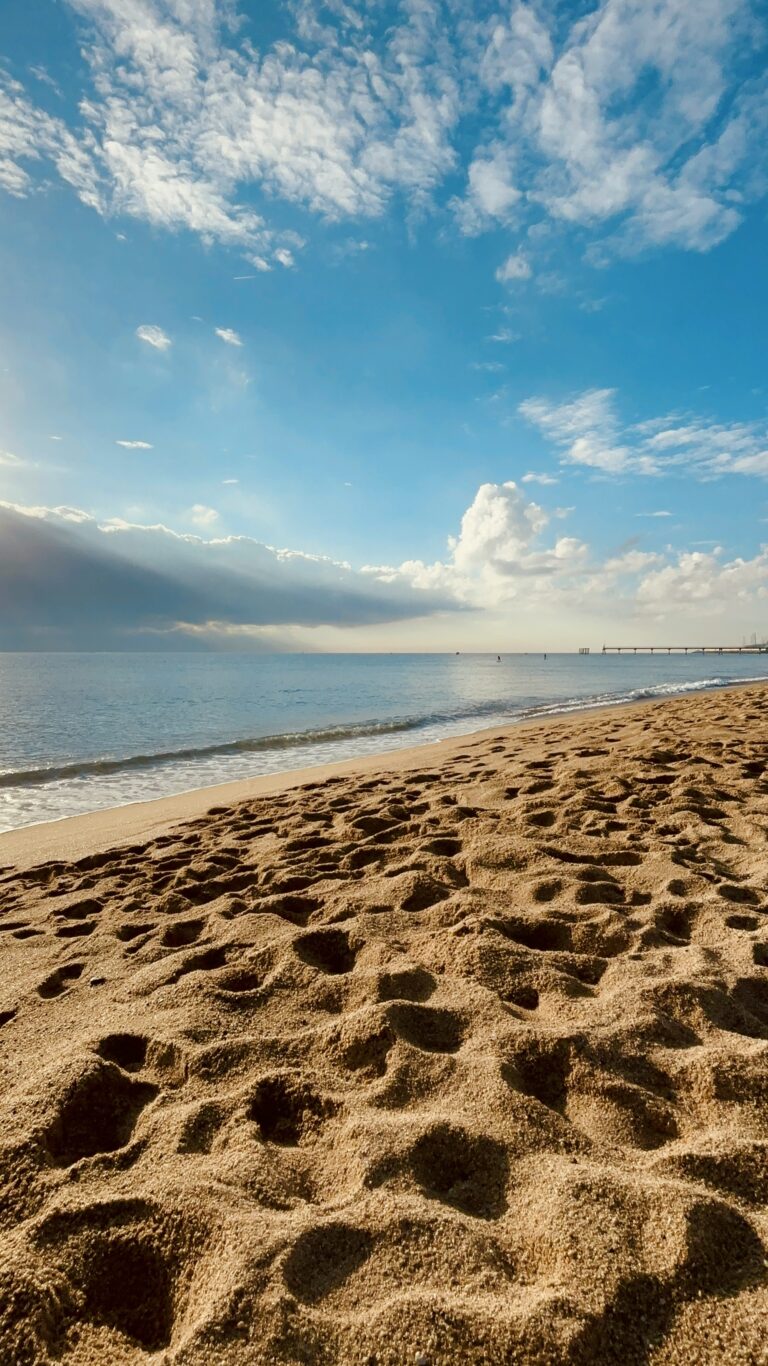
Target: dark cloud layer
{"type": "Point", "coordinates": [66, 582]}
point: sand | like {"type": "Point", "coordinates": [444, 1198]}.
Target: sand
{"type": "Point", "coordinates": [454, 1061]}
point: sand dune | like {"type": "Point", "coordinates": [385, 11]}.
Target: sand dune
{"type": "Point", "coordinates": [457, 1064]}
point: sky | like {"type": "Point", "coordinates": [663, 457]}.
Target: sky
{"type": "Point", "coordinates": [365, 326]}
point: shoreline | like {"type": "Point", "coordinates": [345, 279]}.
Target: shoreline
{"type": "Point", "coordinates": [73, 837]}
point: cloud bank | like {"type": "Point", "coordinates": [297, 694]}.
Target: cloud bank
{"type": "Point", "coordinates": [70, 582]}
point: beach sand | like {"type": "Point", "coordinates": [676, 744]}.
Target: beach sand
{"type": "Point", "coordinates": [459, 1056]}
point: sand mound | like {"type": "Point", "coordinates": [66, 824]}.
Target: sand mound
{"type": "Point", "coordinates": [459, 1065]}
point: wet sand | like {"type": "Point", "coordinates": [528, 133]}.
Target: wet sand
{"type": "Point", "coordinates": [457, 1055]}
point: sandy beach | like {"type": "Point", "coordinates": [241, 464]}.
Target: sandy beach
{"type": "Point", "coordinates": [455, 1055]}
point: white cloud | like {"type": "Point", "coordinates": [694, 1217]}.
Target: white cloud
{"type": "Point", "coordinates": [706, 582]}
{"type": "Point", "coordinates": [532, 477]}
{"type": "Point", "coordinates": [135, 445]}
{"type": "Point", "coordinates": [182, 112]}
{"type": "Point", "coordinates": [230, 481]}
{"type": "Point", "coordinates": [639, 120]}
{"type": "Point", "coordinates": [504, 336]}
{"type": "Point", "coordinates": [491, 194]}
{"type": "Point", "coordinates": [498, 555]}
{"type": "Point", "coordinates": [228, 335]}
{"type": "Point", "coordinates": [516, 267]}
{"type": "Point", "coordinates": [55, 438]}
{"type": "Point", "coordinates": [202, 515]}
{"type": "Point", "coordinates": [662, 512]}
{"type": "Point", "coordinates": [8, 459]}
{"type": "Point", "coordinates": [153, 336]}
{"type": "Point", "coordinates": [588, 431]}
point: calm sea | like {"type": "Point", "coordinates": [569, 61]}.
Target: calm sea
{"type": "Point", "coordinates": [80, 732]}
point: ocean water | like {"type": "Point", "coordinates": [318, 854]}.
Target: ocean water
{"type": "Point", "coordinates": [81, 732]}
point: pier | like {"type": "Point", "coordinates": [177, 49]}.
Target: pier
{"type": "Point", "coordinates": [685, 649]}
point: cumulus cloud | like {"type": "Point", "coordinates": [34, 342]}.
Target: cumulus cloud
{"type": "Point", "coordinates": [153, 336]}
{"type": "Point", "coordinates": [67, 580]}
{"type": "Point", "coordinates": [228, 335]}
{"type": "Point", "coordinates": [135, 445]}
{"type": "Point", "coordinates": [707, 582]}
{"type": "Point", "coordinates": [499, 554]}
{"type": "Point", "coordinates": [588, 431]}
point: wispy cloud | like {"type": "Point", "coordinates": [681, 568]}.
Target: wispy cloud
{"type": "Point", "coordinates": [203, 516]}
{"type": "Point", "coordinates": [504, 336]}
{"type": "Point", "coordinates": [516, 267]}
{"type": "Point", "coordinates": [135, 445]}
{"type": "Point", "coordinates": [228, 335]}
{"type": "Point", "coordinates": [534, 477]}
{"type": "Point", "coordinates": [8, 459]}
{"type": "Point", "coordinates": [153, 336]}
{"type": "Point", "coordinates": [637, 123]}
{"type": "Point", "coordinates": [588, 431]}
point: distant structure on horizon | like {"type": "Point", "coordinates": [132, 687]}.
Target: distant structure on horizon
{"type": "Point", "coordinates": [754, 649]}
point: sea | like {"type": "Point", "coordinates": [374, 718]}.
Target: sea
{"type": "Point", "coordinates": [81, 732]}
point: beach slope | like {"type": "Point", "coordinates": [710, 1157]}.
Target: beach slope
{"type": "Point", "coordinates": [455, 1061]}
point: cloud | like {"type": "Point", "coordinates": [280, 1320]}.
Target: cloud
{"type": "Point", "coordinates": [67, 581]}
{"type": "Point", "coordinates": [228, 335]}
{"type": "Point", "coordinates": [202, 515]}
{"type": "Point", "coordinates": [55, 438]}
{"type": "Point", "coordinates": [707, 582]}
{"type": "Point", "coordinates": [182, 112]}
{"type": "Point", "coordinates": [230, 481]}
{"type": "Point", "coordinates": [588, 431]}
{"type": "Point", "coordinates": [516, 267]}
{"type": "Point", "coordinates": [637, 119]}
{"type": "Point", "coordinates": [504, 335]}
{"type": "Point", "coordinates": [135, 445]}
{"type": "Point", "coordinates": [661, 513]}
{"type": "Point", "coordinates": [491, 196]}
{"type": "Point", "coordinates": [11, 461]}
{"type": "Point", "coordinates": [532, 477]}
{"type": "Point", "coordinates": [642, 124]}
{"type": "Point", "coordinates": [498, 555]}
{"type": "Point", "coordinates": [153, 336]}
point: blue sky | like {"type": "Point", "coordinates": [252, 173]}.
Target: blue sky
{"type": "Point", "coordinates": [428, 325]}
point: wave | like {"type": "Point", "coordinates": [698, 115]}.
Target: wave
{"type": "Point", "coordinates": [501, 710]}
{"type": "Point", "coordinates": [90, 768]}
